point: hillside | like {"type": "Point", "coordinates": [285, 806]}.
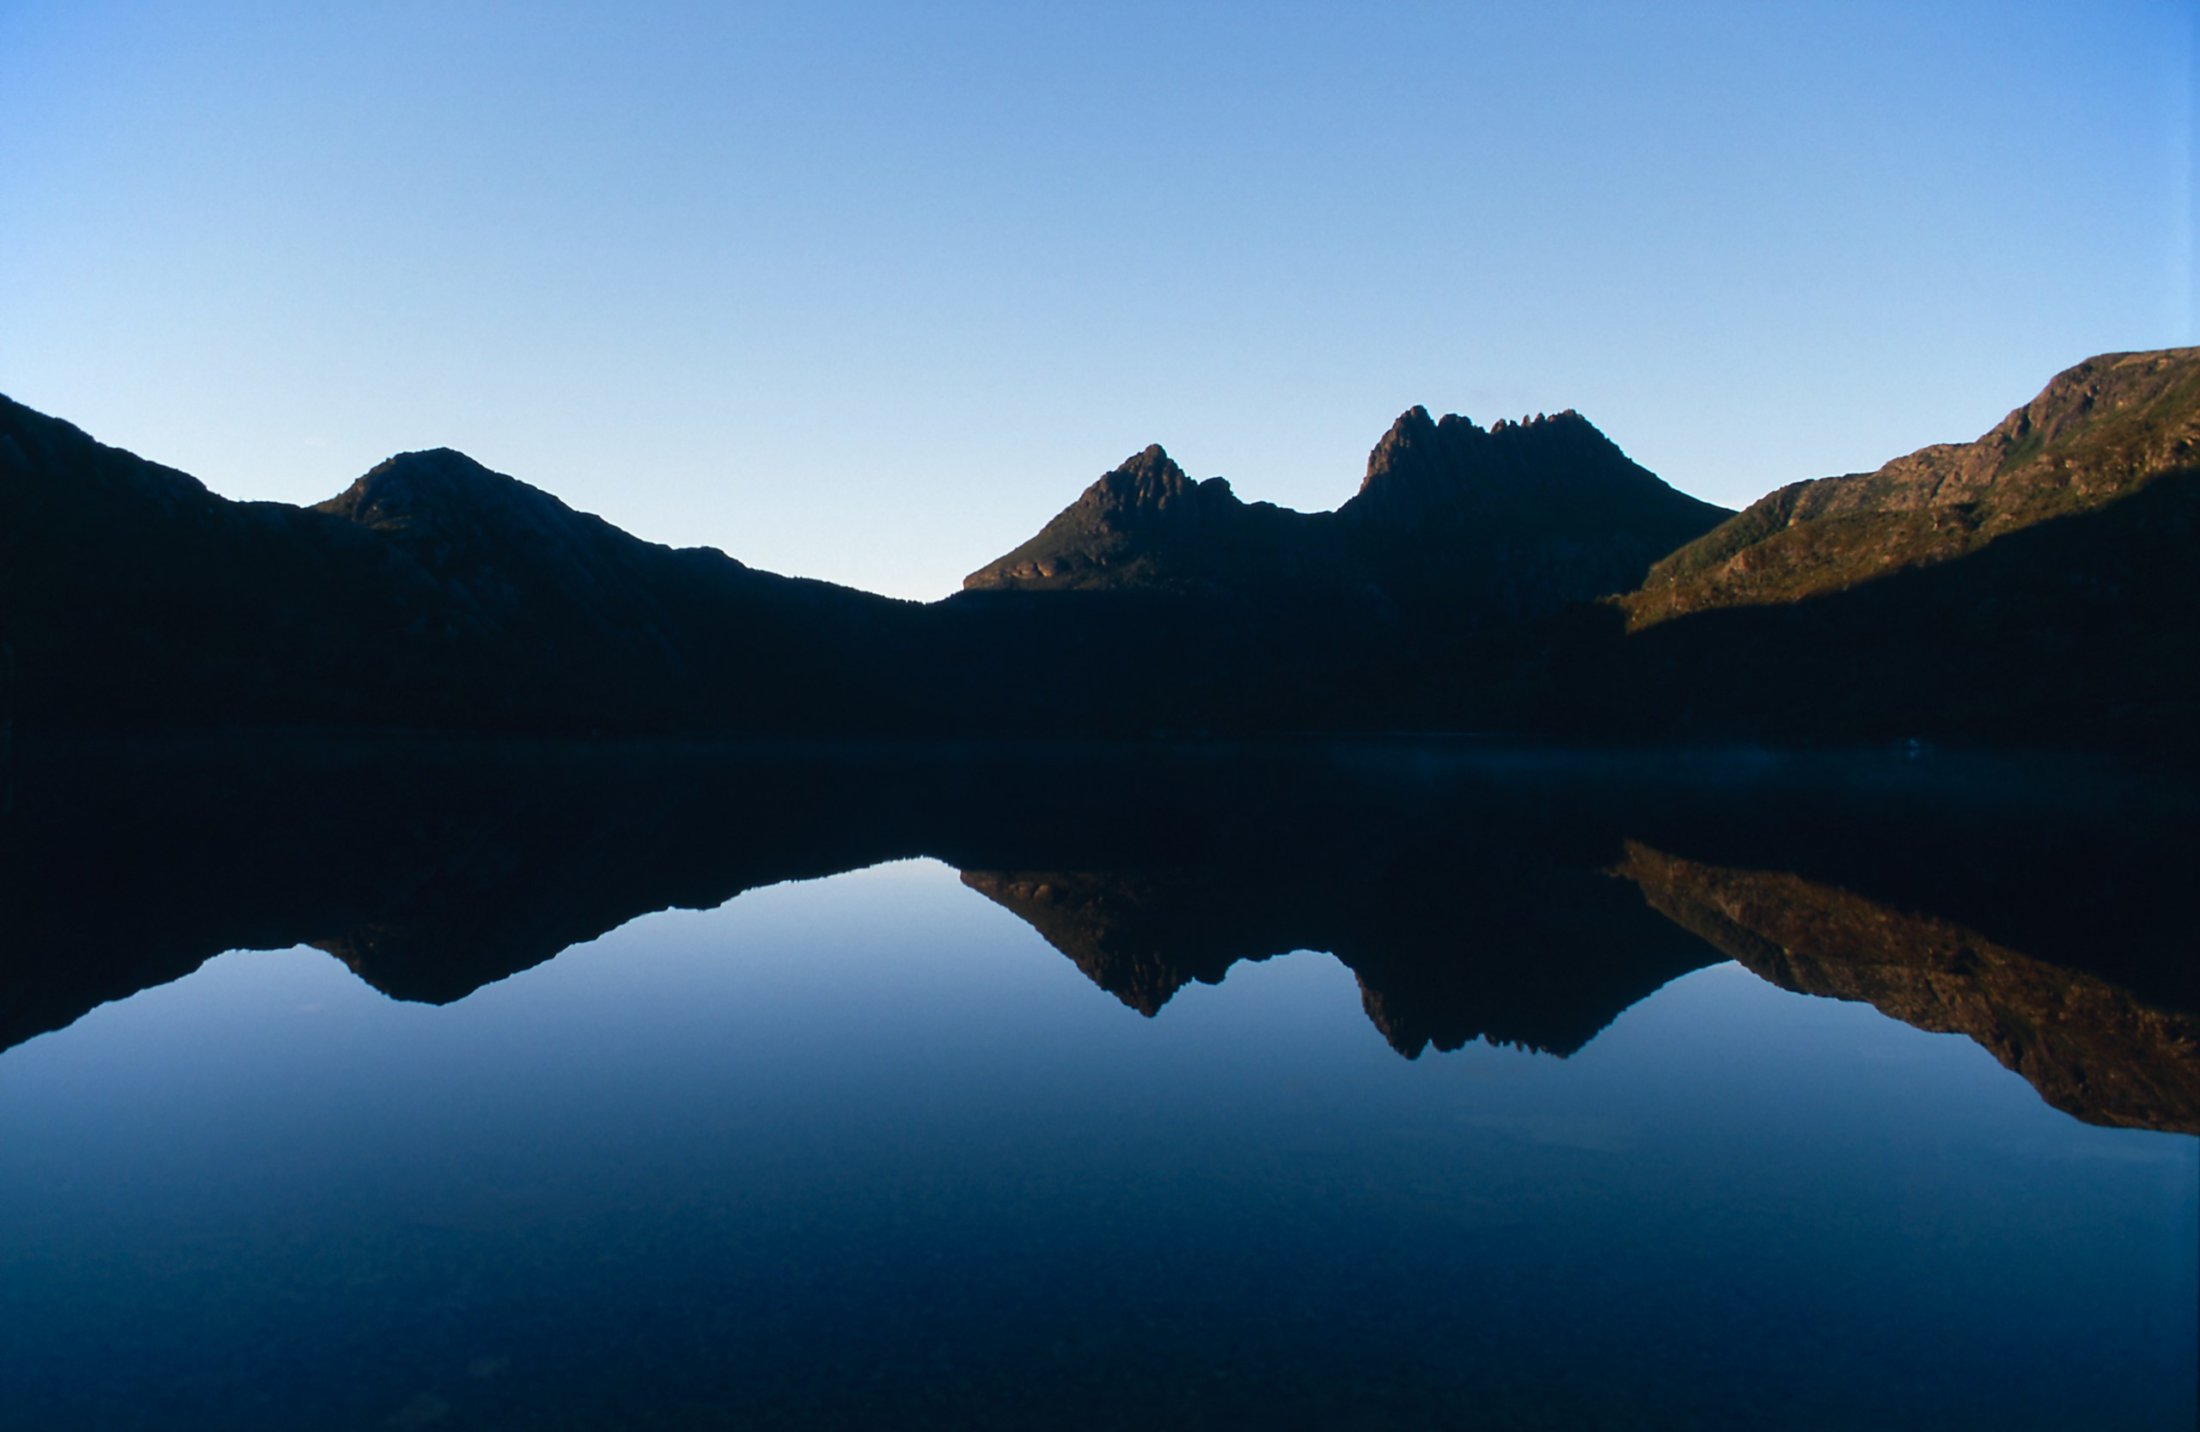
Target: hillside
{"type": "Point", "coordinates": [433, 593]}
{"type": "Point", "coordinates": [2100, 432]}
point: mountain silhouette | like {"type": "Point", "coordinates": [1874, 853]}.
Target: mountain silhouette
{"type": "Point", "coordinates": [2027, 588]}
{"type": "Point", "coordinates": [1453, 522]}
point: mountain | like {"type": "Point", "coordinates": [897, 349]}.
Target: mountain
{"type": "Point", "coordinates": [2098, 433]}
{"type": "Point", "coordinates": [1452, 522]}
{"type": "Point", "coordinates": [1147, 526]}
{"type": "Point", "coordinates": [2028, 588]}
{"type": "Point", "coordinates": [1516, 520]}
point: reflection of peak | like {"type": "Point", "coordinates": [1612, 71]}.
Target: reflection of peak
{"type": "Point", "coordinates": [1448, 946]}
{"type": "Point", "coordinates": [2089, 1047]}
{"type": "Point", "coordinates": [1118, 930]}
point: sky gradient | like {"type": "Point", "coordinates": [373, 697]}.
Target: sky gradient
{"type": "Point", "coordinates": [870, 292]}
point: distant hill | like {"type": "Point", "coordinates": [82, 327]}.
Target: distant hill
{"type": "Point", "coordinates": [1452, 522]}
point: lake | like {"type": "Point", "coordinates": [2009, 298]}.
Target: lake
{"type": "Point", "coordinates": [1403, 1087]}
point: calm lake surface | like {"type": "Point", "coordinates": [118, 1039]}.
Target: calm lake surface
{"type": "Point", "coordinates": [868, 1150]}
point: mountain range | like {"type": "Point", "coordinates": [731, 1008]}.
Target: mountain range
{"type": "Point", "coordinates": [1525, 578]}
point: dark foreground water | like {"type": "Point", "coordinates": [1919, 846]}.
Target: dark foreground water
{"type": "Point", "coordinates": [869, 1150]}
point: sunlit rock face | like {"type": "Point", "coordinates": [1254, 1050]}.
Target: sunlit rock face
{"type": "Point", "coordinates": [2099, 432]}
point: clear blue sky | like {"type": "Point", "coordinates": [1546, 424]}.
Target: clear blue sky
{"type": "Point", "coordinates": [870, 292]}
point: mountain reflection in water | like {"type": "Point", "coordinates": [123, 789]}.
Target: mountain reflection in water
{"type": "Point", "coordinates": [1524, 899]}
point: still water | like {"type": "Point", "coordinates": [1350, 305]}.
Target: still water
{"type": "Point", "coordinates": [869, 1151]}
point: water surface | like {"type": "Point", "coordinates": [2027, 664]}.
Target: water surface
{"type": "Point", "coordinates": [367, 1085]}
{"type": "Point", "coordinates": [867, 1150]}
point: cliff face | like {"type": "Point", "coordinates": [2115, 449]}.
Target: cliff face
{"type": "Point", "coordinates": [2091, 1048]}
{"type": "Point", "coordinates": [2099, 432]}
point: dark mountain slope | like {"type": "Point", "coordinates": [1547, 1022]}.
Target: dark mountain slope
{"type": "Point", "coordinates": [131, 595]}
{"type": "Point", "coordinates": [432, 593]}
{"type": "Point", "coordinates": [2079, 630]}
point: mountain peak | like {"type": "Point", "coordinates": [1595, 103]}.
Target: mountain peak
{"type": "Point", "coordinates": [1148, 478]}
{"type": "Point", "coordinates": [1419, 449]}
{"type": "Point", "coordinates": [1454, 469]}
{"type": "Point", "coordinates": [1111, 535]}
{"type": "Point", "coordinates": [436, 485]}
